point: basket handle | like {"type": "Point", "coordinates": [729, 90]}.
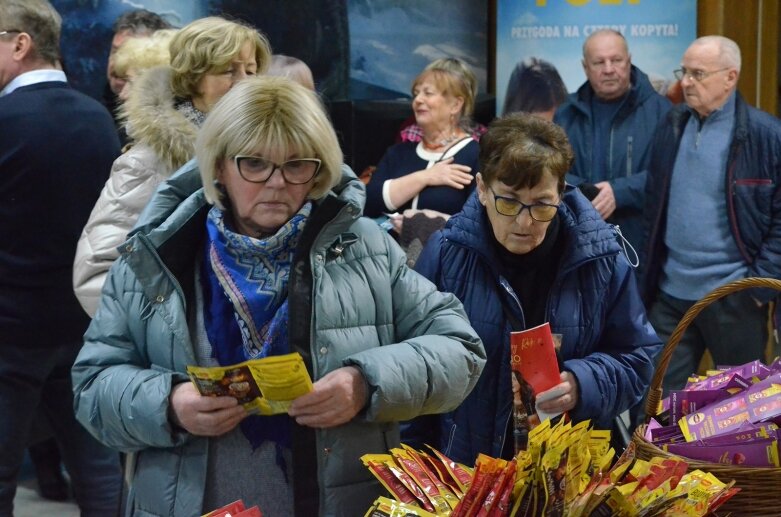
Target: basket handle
{"type": "Point", "coordinates": [655, 390]}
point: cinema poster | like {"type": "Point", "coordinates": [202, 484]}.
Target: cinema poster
{"type": "Point", "coordinates": [552, 32]}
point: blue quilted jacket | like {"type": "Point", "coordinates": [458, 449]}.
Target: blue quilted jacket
{"type": "Point", "coordinates": [594, 303]}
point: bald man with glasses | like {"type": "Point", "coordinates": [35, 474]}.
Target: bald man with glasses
{"type": "Point", "coordinates": [713, 213]}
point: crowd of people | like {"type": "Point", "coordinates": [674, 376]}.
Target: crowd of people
{"type": "Point", "coordinates": [204, 216]}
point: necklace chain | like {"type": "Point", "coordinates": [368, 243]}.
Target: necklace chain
{"type": "Point", "coordinates": [442, 143]}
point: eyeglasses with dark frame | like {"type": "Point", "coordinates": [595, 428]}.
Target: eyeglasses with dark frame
{"type": "Point", "coordinates": [511, 207]}
{"type": "Point", "coordinates": [695, 75]}
{"type": "Point", "coordinates": [3, 33]}
{"type": "Point", "coordinates": [257, 169]}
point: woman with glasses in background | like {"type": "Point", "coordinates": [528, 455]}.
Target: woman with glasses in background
{"type": "Point", "coordinates": [525, 250]}
{"type": "Point", "coordinates": [270, 256]}
{"type": "Point", "coordinates": [165, 106]}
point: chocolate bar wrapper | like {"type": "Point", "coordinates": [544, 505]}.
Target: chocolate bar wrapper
{"type": "Point", "coordinates": [652, 424]}
{"type": "Point", "coordinates": [384, 507]}
{"type": "Point", "coordinates": [754, 370]}
{"type": "Point", "coordinates": [757, 453]}
{"type": "Point", "coordinates": [666, 434]}
{"type": "Point", "coordinates": [720, 381]}
{"type": "Point", "coordinates": [747, 432]}
{"type": "Point", "coordinates": [764, 406]}
{"type": "Point", "coordinates": [715, 419]}
{"type": "Point", "coordinates": [684, 402]}
{"type": "Point", "coordinates": [765, 383]}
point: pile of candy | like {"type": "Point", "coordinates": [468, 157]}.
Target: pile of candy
{"type": "Point", "coordinates": [729, 416]}
{"type": "Point", "coordinates": [566, 470]}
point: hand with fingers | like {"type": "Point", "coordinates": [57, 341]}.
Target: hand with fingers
{"type": "Point", "coordinates": [605, 202]}
{"type": "Point", "coordinates": [449, 174]}
{"type": "Point", "coordinates": [567, 399]}
{"type": "Point", "coordinates": [335, 399]}
{"type": "Point", "coordinates": [204, 416]}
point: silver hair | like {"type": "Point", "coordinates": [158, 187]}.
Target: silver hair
{"type": "Point", "coordinates": [728, 49]}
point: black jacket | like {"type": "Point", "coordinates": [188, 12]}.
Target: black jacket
{"type": "Point", "coordinates": [56, 150]}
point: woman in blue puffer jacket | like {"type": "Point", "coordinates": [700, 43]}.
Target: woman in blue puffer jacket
{"type": "Point", "coordinates": [526, 250]}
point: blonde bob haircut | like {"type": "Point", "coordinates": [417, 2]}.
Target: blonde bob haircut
{"type": "Point", "coordinates": [209, 45]}
{"type": "Point", "coordinates": [452, 77]}
{"type": "Point", "coordinates": [143, 52]}
{"type": "Point", "coordinates": [264, 114]}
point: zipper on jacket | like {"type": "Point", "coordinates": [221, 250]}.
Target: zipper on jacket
{"type": "Point", "coordinates": [733, 215]}
{"type": "Point", "coordinates": [629, 144]}
{"type": "Point", "coordinates": [506, 286]}
{"type": "Point", "coordinates": [610, 155]}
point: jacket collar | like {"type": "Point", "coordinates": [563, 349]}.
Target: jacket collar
{"type": "Point", "coordinates": [152, 119]}
{"type": "Point", "coordinates": [680, 116]}
{"type": "Point", "coordinates": [174, 220]}
{"type": "Point", "coordinates": [640, 89]}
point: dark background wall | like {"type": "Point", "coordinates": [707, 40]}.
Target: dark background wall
{"type": "Point", "coordinates": [357, 49]}
{"type": "Point", "coordinates": [364, 54]}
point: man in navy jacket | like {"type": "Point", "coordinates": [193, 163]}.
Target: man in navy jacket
{"type": "Point", "coordinates": [56, 150]}
{"type": "Point", "coordinates": [610, 121]}
{"type": "Point", "coordinates": [713, 213]}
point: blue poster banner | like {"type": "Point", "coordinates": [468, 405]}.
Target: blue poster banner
{"type": "Point", "coordinates": [657, 32]}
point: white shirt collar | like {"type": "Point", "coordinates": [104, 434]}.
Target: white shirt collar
{"type": "Point", "coordinates": [34, 77]}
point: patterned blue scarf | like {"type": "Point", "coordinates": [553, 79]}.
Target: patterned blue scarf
{"type": "Point", "coordinates": [245, 304]}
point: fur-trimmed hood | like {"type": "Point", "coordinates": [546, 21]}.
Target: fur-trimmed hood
{"type": "Point", "coordinates": [152, 119]}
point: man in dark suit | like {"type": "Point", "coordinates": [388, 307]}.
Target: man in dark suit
{"type": "Point", "coordinates": [56, 150]}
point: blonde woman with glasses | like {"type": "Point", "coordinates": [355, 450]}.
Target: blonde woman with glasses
{"type": "Point", "coordinates": [165, 107]}
{"type": "Point", "coordinates": [270, 256]}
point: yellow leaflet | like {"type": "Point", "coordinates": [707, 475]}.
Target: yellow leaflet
{"type": "Point", "coordinates": [264, 386]}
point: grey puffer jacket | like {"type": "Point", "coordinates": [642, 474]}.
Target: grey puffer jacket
{"type": "Point", "coordinates": [352, 301]}
{"type": "Point", "coordinates": [164, 139]}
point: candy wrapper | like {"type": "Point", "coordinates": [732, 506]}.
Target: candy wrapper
{"type": "Point", "coordinates": [235, 509]}
{"type": "Point", "coordinates": [755, 453]}
{"type": "Point", "coordinates": [567, 470]}
{"type": "Point", "coordinates": [384, 507]}
{"type": "Point", "coordinates": [685, 402]}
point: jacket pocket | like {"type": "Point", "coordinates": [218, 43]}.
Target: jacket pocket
{"type": "Point", "coordinates": [753, 181]}
{"type": "Point", "coordinates": [754, 203]}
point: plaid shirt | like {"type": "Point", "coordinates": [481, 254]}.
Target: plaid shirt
{"type": "Point", "coordinates": [413, 133]}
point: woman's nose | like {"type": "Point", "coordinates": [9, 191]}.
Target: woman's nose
{"type": "Point", "coordinates": [276, 180]}
{"type": "Point", "coordinates": [524, 220]}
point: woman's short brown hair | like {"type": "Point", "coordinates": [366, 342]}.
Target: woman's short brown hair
{"type": "Point", "coordinates": [519, 149]}
{"type": "Point", "coordinates": [210, 44]}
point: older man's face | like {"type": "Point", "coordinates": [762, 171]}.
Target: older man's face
{"type": "Point", "coordinates": [608, 66]}
{"type": "Point", "coordinates": [9, 67]}
{"type": "Point", "coordinates": [717, 79]}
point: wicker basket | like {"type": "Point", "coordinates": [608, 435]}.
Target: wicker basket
{"type": "Point", "coordinates": [759, 486]}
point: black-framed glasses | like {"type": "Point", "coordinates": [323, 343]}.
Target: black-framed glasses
{"type": "Point", "coordinates": [511, 207]}
{"type": "Point", "coordinates": [257, 169]}
{"type": "Point", "coordinates": [3, 33]}
{"type": "Point", "coordinates": [695, 75]}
